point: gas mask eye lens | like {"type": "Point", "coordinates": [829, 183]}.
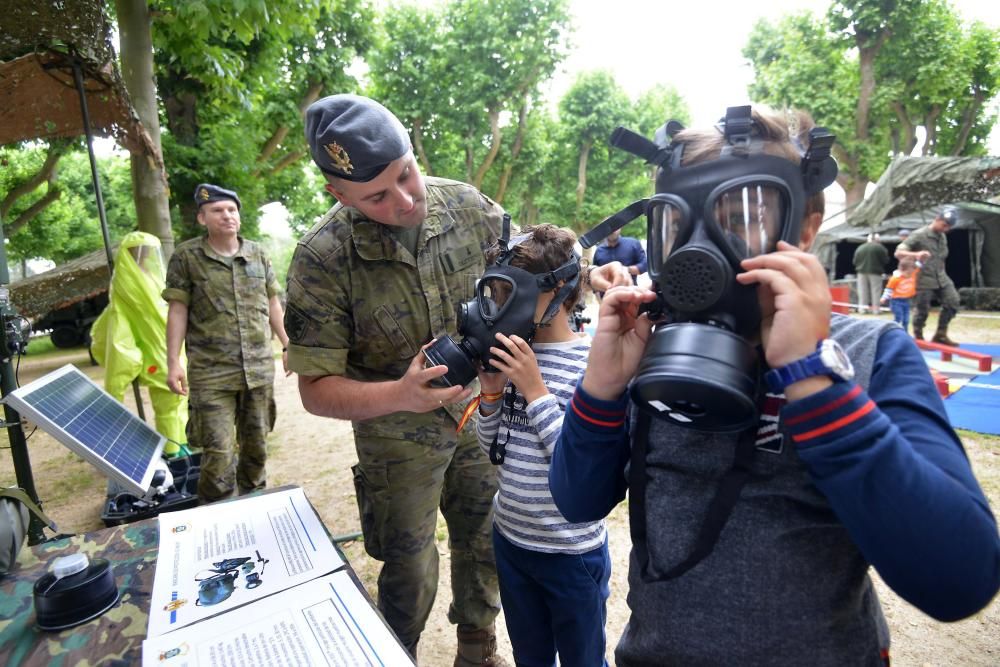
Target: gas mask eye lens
{"type": "Point", "coordinates": [665, 221]}
{"type": "Point", "coordinates": [494, 294]}
{"type": "Point", "coordinates": [750, 217]}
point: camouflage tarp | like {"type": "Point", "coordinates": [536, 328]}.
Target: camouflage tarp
{"type": "Point", "coordinates": [114, 638]}
{"type": "Point", "coordinates": [63, 286]}
{"type": "Point", "coordinates": [39, 42]}
{"type": "Point", "coordinates": [913, 184]}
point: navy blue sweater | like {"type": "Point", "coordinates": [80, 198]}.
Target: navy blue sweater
{"type": "Point", "coordinates": [886, 461]}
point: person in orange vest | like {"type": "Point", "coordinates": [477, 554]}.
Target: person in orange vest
{"type": "Point", "coordinates": [902, 286]}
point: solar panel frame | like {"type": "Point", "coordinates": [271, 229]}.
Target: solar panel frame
{"type": "Point", "coordinates": [110, 458]}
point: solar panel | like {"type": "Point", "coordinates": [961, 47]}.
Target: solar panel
{"type": "Point", "coordinates": [67, 405]}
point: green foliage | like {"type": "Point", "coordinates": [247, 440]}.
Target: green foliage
{"type": "Point", "coordinates": [449, 72]}
{"type": "Point", "coordinates": [233, 76]}
{"type": "Point", "coordinates": [925, 69]}
{"type": "Point", "coordinates": [70, 226]}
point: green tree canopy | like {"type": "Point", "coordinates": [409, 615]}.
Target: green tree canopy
{"type": "Point", "coordinates": [873, 71]}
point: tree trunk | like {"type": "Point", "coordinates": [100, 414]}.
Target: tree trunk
{"type": "Point", "coordinates": [495, 139]}
{"type": "Point", "coordinates": [26, 215]}
{"type": "Point", "coordinates": [469, 154]}
{"type": "Point", "coordinates": [930, 125]}
{"type": "Point", "coordinates": [908, 139]}
{"type": "Point", "coordinates": [515, 150]}
{"type": "Point", "coordinates": [47, 172]}
{"type": "Point", "coordinates": [850, 179]}
{"type": "Point", "coordinates": [149, 181]}
{"type": "Point", "coordinates": [581, 179]}
{"type": "Point", "coordinates": [418, 143]}
{"type": "Point", "coordinates": [279, 134]}
{"type": "Point", "coordinates": [968, 120]}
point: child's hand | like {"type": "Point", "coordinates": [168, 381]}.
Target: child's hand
{"type": "Point", "coordinates": [619, 343]}
{"type": "Point", "coordinates": [492, 383]}
{"type": "Point", "coordinates": [516, 360]}
{"type": "Point", "coordinates": [795, 302]}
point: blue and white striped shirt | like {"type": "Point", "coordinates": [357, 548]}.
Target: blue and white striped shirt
{"type": "Point", "coordinates": [524, 511]}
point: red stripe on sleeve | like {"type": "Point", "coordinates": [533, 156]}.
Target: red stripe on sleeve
{"type": "Point", "coordinates": [606, 413]}
{"type": "Point", "coordinates": [834, 425]}
{"type": "Point", "coordinates": [598, 422]}
{"type": "Point", "coordinates": [823, 409]}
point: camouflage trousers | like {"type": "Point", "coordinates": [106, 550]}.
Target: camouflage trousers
{"type": "Point", "coordinates": [948, 296]}
{"type": "Point", "coordinates": [400, 485]}
{"type": "Point", "coordinates": [215, 416]}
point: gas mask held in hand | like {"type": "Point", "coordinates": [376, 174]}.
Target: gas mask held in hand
{"type": "Point", "coordinates": [505, 302]}
{"type": "Point", "coordinates": [700, 368]}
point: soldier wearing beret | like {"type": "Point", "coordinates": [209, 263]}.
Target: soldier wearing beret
{"type": "Point", "coordinates": [929, 245]}
{"type": "Point", "coordinates": [223, 302]}
{"type": "Point", "coordinates": [369, 286]}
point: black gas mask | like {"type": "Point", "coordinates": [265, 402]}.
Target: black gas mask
{"type": "Point", "coordinates": [700, 369]}
{"type": "Point", "coordinates": [505, 302]}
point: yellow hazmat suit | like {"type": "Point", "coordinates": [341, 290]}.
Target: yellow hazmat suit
{"type": "Point", "coordinates": [130, 337]}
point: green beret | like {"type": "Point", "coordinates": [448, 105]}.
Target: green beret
{"type": "Point", "coordinates": [354, 137]}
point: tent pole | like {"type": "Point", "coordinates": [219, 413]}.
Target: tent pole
{"type": "Point", "coordinates": [85, 113]}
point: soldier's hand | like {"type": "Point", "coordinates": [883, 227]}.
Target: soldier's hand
{"type": "Point", "coordinates": [177, 380]}
{"type": "Point", "coordinates": [416, 394]}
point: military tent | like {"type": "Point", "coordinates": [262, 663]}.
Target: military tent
{"type": "Point", "coordinates": [909, 195]}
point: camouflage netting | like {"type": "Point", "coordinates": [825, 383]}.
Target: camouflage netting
{"type": "Point", "coordinates": [39, 41]}
{"type": "Point", "coordinates": [72, 282]}
{"type": "Point", "coordinates": [917, 183]}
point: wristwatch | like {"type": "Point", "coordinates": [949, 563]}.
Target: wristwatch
{"type": "Point", "coordinates": [829, 359]}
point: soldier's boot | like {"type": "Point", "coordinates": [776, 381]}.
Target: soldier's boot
{"type": "Point", "coordinates": [918, 333]}
{"type": "Point", "coordinates": [478, 646]}
{"type": "Point", "coordinates": [941, 336]}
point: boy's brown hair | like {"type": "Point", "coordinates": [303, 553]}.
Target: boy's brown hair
{"type": "Point", "coordinates": [546, 249]}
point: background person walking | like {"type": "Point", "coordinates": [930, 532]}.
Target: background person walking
{"type": "Point", "coordinates": [870, 260]}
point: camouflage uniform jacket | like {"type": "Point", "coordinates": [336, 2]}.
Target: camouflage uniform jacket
{"type": "Point", "coordinates": [228, 330]}
{"type": "Point", "coordinates": [361, 306]}
{"type": "Point", "coordinates": [932, 274]}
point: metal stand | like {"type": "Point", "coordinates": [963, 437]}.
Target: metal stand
{"type": "Point", "coordinates": [13, 340]}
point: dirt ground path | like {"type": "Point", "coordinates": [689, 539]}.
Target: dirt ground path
{"type": "Point", "coordinates": [317, 453]}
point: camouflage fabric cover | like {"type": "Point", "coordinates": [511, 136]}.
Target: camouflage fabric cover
{"type": "Point", "coordinates": [228, 333]}
{"type": "Point", "coordinates": [115, 638]}
{"type": "Point", "coordinates": [360, 305]}
{"type": "Point", "coordinates": [932, 274]}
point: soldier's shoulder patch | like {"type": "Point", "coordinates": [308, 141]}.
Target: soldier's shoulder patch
{"type": "Point", "coordinates": [296, 323]}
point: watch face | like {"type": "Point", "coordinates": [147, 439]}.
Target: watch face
{"type": "Point", "coordinates": [835, 359]}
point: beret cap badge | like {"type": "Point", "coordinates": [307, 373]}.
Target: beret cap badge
{"type": "Point", "coordinates": [203, 193]}
{"type": "Point", "coordinates": [340, 158]}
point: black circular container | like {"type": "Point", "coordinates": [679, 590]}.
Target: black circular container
{"type": "Point", "coordinates": [63, 602]}
{"type": "Point", "coordinates": [699, 376]}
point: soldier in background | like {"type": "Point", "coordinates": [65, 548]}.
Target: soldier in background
{"type": "Point", "coordinates": [223, 302]}
{"type": "Point", "coordinates": [369, 286]}
{"type": "Point", "coordinates": [929, 245]}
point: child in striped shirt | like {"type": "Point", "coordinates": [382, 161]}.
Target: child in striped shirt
{"type": "Point", "coordinates": [553, 573]}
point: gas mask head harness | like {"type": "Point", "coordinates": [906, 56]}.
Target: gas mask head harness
{"type": "Point", "coordinates": [505, 302]}
{"type": "Point", "coordinates": [700, 369]}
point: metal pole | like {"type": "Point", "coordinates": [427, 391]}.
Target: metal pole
{"type": "Point", "coordinates": [11, 341]}
{"type": "Point", "coordinates": [85, 113]}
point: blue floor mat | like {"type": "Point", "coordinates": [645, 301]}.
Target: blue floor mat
{"type": "Point", "coordinates": [992, 350]}
{"type": "Point", "coordinates": [976, 405]}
